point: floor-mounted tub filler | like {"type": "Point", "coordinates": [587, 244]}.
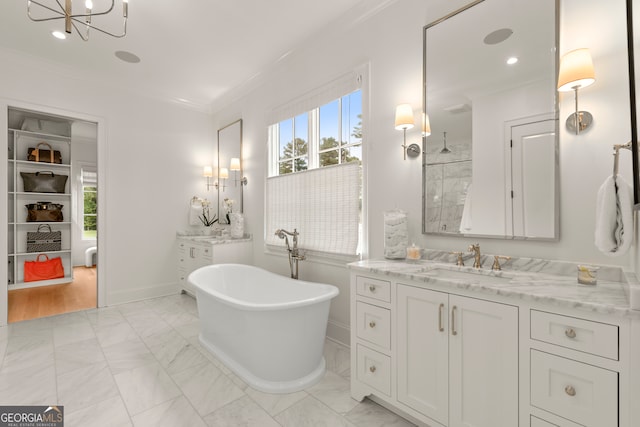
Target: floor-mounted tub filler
{"type": "Point", "coordinates": [268, 329]}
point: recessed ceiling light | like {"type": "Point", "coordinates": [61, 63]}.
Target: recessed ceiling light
{"type": "Point", "coordinates": [127, 56]}
{"type": "Point", "coordinates": [512, 60]}
{"type": "Point", "coordinates": [59, 35]}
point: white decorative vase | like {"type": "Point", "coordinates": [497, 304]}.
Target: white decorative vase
{"type": "Point", "coordinates": [396, 235]}
{"type": "Point", "coordinates": [237, 225]}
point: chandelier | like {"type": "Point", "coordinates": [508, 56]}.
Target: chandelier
{"type": "Point", "coordinates": [81, 22]}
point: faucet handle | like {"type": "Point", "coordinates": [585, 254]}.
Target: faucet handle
{"type": "Point", "coordinates": [496, 261]}
{"type": "Point", "coordinates": [459, 260]}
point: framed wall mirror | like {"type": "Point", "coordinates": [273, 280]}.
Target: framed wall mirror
{"type": "Point", "coordinates": [230, 172]}
{"type": "Point", "coordinates": [490, 164]}
{"type": "Point", "coordinates": [633, 49]}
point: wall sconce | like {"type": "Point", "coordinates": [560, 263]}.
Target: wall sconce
{"type": "Point", "coordinates": [223, 175]}
{"type": "Point", "coordinates": [235, 167]}
{"type": "Point", "coordinates": [576, 72]}
{"type": "Point", "coordinates": [208, 173]}
{"type": "Point", "coordinates": [404, 121]}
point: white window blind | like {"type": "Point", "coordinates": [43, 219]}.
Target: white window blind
{"type": "Point", "coordinates": [338, 87]}
{"type": "Point", "coordinates": [322, 204]}
{"type": "Point", "coordinates": [89, 177]}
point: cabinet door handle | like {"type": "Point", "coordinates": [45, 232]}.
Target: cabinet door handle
{"type": "Point", "coordinates": [372, 288]}
{"type": "Point", "coordinates": [570, 332]}
{"type": "Point", "coordinates": [453, 321]}
{"type": "Point", "coordinates": [372, 324]}
{"type": "Point", "coordinates": [440, 310]}
{"type": "Point", "coordinates": [570, 390]}
{"type": "Point", "coordinates": [372, 368]}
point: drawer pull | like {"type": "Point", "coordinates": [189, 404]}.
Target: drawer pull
{"type": "Point", "coordinates": [440, 309]}
{"type": "Point", "coordinates": [372, 369]}
{"type": "Point", "coordinates": [372, 324]}
{"type": "Point", "coordinates": [570, 390]}
{"type": "Point", "coordinates": [453, 321]}
{"type": "Point", "coordinates": [372, 288]}
{"type": "Point", "coordinates": [571, 333]}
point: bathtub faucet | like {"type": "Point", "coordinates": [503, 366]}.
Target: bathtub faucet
{"type": "Point", "coordinates": [294, 253]}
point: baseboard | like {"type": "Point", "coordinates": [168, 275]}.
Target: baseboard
{"type": "Point", "coordinates": [131, 295]}
{"type": "Point", "coordinates": [339, 332]}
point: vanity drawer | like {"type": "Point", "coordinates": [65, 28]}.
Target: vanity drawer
{"type": "Point", "coordinates": [373, 324]}
{"type": "Point", "coordinates": [373, 288]}
{"type": "Point", "coordinates": [582, 393]}
{"type": "Point", "coordinates": [587, 336]}
{"type": "Point", "coordinates": [374, 369]}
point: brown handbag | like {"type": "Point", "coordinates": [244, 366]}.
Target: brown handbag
{"type": "Point", "coordinates": [44, 212]}
{"type": "Point", "coordinates": [39, 155]}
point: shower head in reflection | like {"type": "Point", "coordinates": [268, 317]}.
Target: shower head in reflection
{"type": "Point", "coordinates": [445, 150]}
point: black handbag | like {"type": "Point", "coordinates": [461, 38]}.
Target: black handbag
{"type": "Point", "coordinates": [44, 241]}
{"type": "Point", "coordinates": [43, 182]}
{"type": "Point", "coordinates": [44, 212]}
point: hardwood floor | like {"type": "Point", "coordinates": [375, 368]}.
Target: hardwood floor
{"type": "Point", "coordinates": [44, 301]}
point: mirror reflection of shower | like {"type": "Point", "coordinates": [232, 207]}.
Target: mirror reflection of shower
{"type": "Point", "coordinates": [445, 150]}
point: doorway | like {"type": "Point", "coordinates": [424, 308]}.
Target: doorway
{"type": "Point", "coordinates": [51, 145]}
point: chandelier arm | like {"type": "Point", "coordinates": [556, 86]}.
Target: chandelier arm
{"type": "Point", "coordinates": [93, 27]}
{"type": "Point", "coordinates": [59, 12]}
{"type": "Point", "coordinates": [113, 2]}
{"type": "Point", "coordinates": [86, 39]}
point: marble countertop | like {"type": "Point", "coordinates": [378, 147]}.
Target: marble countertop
{"type": "Point", "coordinates": [526, 279]}
{"type": "Point", "coordinates": [206, 236]}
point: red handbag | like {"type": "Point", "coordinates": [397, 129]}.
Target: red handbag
{"type": "Point", "coordinates": [43, 270]}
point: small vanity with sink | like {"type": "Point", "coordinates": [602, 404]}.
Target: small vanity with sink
{"type": "Point", "coordinates": [450, 345]}
{"type": "Point", "coordinates": [197, 250]}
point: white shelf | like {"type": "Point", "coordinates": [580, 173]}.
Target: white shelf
{"type": "Point", "coordinates": [19, 143]}
{"type": "Point", "coordinates": [25, 285]}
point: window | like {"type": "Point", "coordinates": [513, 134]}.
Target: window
{"type": "Point", "coordinates": [314, 180]}
{"type": "Point", "coordinates": [328, 135]}
{"type": "Point", "coordinates": [90, 204]}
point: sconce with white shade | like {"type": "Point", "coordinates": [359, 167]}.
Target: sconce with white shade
{"type": "Point", "coordinates": [208, 173]}
{"type": "Point", "coordinates": [576, 72]}
{"type": "Point", "coordinates": [404, 121]}
{"type": "Point", "coordinates": [235, 167]}
{"type": "Point", "coordinates": [223, 175]}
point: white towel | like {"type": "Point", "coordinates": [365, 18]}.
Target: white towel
{"type": "Point", "coordinates": [465, 222]}
{"type": "Point", "coordinates": [614, 217]}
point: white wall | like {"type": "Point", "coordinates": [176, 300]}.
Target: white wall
{"type": "Point", "coordinates": [153, 153]}
{"type": "Point", "coordinates": [84, 152]}
{"type": "Point", "coordinates": [391, 43]}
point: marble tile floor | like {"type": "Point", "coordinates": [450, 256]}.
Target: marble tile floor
{"type": "Point", "coordinates": [140, 364]}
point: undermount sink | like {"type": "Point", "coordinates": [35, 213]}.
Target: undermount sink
{"type": "Point", "coordinates": [470, 276]}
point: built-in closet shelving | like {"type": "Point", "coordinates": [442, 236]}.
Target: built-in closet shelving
{"type": "Point", "coordinates": [19, 142]}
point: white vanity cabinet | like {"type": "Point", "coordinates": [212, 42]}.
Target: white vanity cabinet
{"type": "Point", "coordinates": [532, 352]}
{"type": "Point", "coordinates": [193, 254]}
{"type": "Point", "coordinates": [574, 370]}
{"type": "Point", "coordinates": [436, 356]}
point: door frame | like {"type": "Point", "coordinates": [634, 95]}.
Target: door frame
{"type": "Point", "coordinates": [5, 105]}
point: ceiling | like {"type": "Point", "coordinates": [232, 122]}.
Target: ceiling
{"type": "Point", "coordinates": [192, 52]}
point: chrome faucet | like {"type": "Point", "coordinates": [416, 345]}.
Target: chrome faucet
{"type": "Point", "coordinates": [475, 248]}
{"type": "Point", "coordinates": [295, 254]}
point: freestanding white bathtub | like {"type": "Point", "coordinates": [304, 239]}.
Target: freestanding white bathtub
{"type": "Point", "coordinates": [268, 329]}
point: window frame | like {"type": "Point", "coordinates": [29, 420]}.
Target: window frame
{"type": "Point", "coordinates": [314, 152]}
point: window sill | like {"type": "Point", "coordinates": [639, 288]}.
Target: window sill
{"type": "Point", "coordinates": [336, 260]}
